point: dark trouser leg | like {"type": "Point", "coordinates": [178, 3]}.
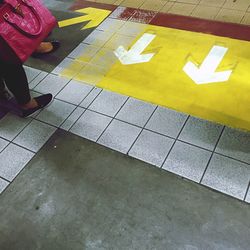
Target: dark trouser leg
{"type": "Point", "coordinates": [15, 79]}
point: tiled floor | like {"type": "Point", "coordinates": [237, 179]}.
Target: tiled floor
{"type": "Point", "coordinates": [199, 150]}
{"type": "Point", "coordinates": [204, 152]}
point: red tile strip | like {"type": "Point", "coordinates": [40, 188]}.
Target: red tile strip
{"type": "Point", "coordinates": [236, 31]}
{"type": "Point", "coordinates": [80, 4]}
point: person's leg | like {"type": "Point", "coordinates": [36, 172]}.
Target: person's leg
{"type": "Point", "coordinates": [16, 81]}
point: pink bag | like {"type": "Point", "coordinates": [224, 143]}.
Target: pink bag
{"type": "Point", "coordinates": [21, 35]}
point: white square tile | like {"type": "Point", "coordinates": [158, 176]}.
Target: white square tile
{"type": "Point", "coordinates": [56, 113]}
{"type": "Point", "coordinates": [151, 147]}
{"type": "Point", "coordinates": [3, 185]}
{"type": "Point", "coordinates": [136, 112]}
{"type": "Point", "coordinates": [167, 122]}
{"type": "Point", "coordinates": [90, 125]}
{"type": "Point", "coordinates": [90, 97]}
{"type": "Point", "coordinates": [74, 92]}
{"type": "Point", "coordinates": [3, 144]}
{"type": "Point", "coordinates": [11, 125]}
{"type": "Point", "coordinates": [228, 176]}
{"type": "Point", "coordinates": [13, 159]}
{"type": "Point", "coordinates": [187, 161]}
{"type": "Point", "coordinates": [108, 103]}
{"type": "Point", "coordinates": [72, 118]}
{"type": "Point", "coordinates": [51, 84]}
{"type": "Point", "coordinates": [119, 136]}
{"type": "Point", "coordinates": [35, 135]}
{"type": "Point", "coordinates": [98, 38]}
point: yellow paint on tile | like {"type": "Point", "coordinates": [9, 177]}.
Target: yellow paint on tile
{"type": "Point", "coordinates": [93, 15]}
{"type": "Point", "coordinates": [162, 80]}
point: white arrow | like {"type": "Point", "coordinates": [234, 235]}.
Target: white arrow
{"type": "Point", "coordinates": [134, 55]}
{"type": "Point", "coordinates": [206, 72]}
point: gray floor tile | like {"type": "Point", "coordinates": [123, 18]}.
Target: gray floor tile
{"type": "Point", "coordinates": [11, 125]}
{"type": "Point", "coordinates": [35, 135]}
{"type": "Point", "coordinates": [108, 103]}
{"type": "Point", "coordinates": [90, 125]}
{"type": "Point", "coordinates": [51, 84]}
{"type": "Point", "coordinates": [84, 52]}
{"type": "Point", "coordinates": [119, 136]}
{"type": "Point", "coordinates": [74, 92]}
{"type": "Point", "coordinates": [151, 147]}
{"type": "Point", "coordinates": [98, 38]}
{"type": "Point", "coordinates": [202, 133]}
{"type": "Point", "coordinates": [228, 176]}
{"type": "Point", "coordinates": [136, 112]}
{"type": "Point", "coordinates": [56, 113]}
{"type": "Point", "coordinates": [187, 161]}
{"type": "Point", "coordinates": [31, 73]}
{"type": "Point", "coordinates": [167, 122]}
{"type": "Point", "coordinates": [3, 185]}
{"type": "Point", "coordinates": [248, 196]}
{"type": "Point", "coordinates": [37, 80]}
{"type": "Point", "coordinates": [3, 144]}
{"type": "Point", "coordinates": [13, 159]}
{"type": "Point", "coordinates": [111, 25]}
{"type": "Point", "coordinates": [91, 97]}
{"type": "Point", "coordinates": [72, 118]}
{"type": "Point", "coordinates": [236, 144]}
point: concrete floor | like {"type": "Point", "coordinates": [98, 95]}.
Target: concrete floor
{"type": "Point", "coordinates": [75, 194]}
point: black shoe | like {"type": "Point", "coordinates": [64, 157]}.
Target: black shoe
{"type": "Point", "coordinates": [55, 44]}
{"type": "Point", "coordinates": [42, 102]}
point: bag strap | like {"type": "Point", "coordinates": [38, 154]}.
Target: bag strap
{"type": "Point", "coordinates": [14, 23]}
{"type": "Point", "coordinates": [13, 3]}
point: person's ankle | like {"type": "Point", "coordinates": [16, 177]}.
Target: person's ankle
{"type": "Point", "coordinates": [31, 104]}
{"type": "Point", "coordinates": [44, 47]}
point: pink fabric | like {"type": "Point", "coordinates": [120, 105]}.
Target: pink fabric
{"type": "Point", "coordinates": [20, 36]}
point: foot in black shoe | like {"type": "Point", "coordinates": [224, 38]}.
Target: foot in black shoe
{"type": "Point", "coordinates": [42, 102]}
{"type": "Point", "coordinates": [55, 45]}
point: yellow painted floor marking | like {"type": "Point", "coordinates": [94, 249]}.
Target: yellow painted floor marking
{"type": "Point", "coordinates": [93, 15]}
{"type": "Point", "coordinates": [162, 81]}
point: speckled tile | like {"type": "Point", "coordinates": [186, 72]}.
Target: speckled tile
{"type": "Point", "coordinates": [11, 125]}
{"type": "Point", "coordinates": [228, 176]}
{"type": "Point", "coordinates": [34, 136]}
{"type": "Point", "coordinates": [3, 144]}
{"type": "Point", "coordinates": [136, 112]}
{"type": "Point", "coordinates": [236, 144]}
{"type": "Point", "coordinates": [74, 92]}
{"type": "Point", "coordinates": [3, 185]}
{"type": "Point", "coordinates": [201, 133]}
{"type": "Point", "coordinates": [51, 84]}
{"type": "Point", "coordinates": [187, 161]}
{"type": "Point", "coordinates": [151, 147]}
{"type": "Point", "coordinates": [13, 159]}
{"type": "Point", "coordinates": [108, 103]}
{"type": "Point", "coordinates": [90, 125]}
{"type": "Point", "coordinates": [119, 136]}
{"type": "Point", "coordinates": [56, 113]}
{"type": "Point", "coordinates": [167, 122]}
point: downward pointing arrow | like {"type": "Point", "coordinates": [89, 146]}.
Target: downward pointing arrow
{"type": "Point", "coordinates": [134, 55]}
{"type": "Point", "coordinates": [206, 72]}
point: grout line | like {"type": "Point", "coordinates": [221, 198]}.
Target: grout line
{"type": "Point", "coordinates": [85, 109]}
{"type": "Point", "coordinates": [143, 128]}
{"type": "Point", "coordinates": [113, 118]}
{"type": "Point", "coordinates": [211, 156]}
{"type": "Point", "coordinates": [176, 139]}
{"type": "Point", "coordinates": [248, 189]}
{"type": "Point", "coordinates": [5, 180]}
